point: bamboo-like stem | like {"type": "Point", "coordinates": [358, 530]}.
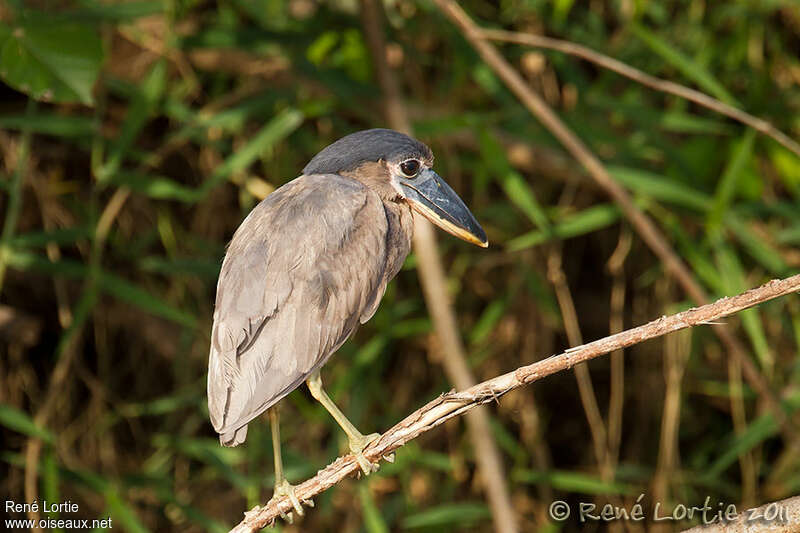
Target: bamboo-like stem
{"type": "Point", "coordinates": [453, 404]}
{"type": "Point", "coordinates": [434, 286]}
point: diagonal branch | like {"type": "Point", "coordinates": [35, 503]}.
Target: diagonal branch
{"type": "Point", "coordinates": [644, 226]}
{"type": "Point", "coordinates": [623, 69]}
{"type": "Point", "coordinates": [453, 404]}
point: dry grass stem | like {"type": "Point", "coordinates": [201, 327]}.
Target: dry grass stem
{"type": "Point", "coordinates": [644, 226]}
{"type": "Point", "coordinates": [434, 285]}
{"type": "Point", "coordinates": [702, 99]}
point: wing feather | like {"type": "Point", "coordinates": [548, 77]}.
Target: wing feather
{"type": "Point", "coordinates": [301, 272]}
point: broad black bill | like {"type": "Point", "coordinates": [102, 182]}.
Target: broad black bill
{"type": "Point", "coordinates": [433, 198]}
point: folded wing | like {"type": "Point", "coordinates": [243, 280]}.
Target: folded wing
{"type": "Point", "coordinates": [299, 273]}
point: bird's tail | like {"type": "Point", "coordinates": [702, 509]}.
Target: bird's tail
{"type": "Point", "coordinates": [234, 438]}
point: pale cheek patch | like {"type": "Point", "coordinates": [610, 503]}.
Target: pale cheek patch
{"type": "Point", "coordinates": [397, 187]}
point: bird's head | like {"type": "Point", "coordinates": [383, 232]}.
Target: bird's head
{"type": "Point", "coordinates": [399, 167]}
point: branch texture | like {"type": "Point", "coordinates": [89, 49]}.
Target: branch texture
{"type": "Point", "coordinates": [453, 404]}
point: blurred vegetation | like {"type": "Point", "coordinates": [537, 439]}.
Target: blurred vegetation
{"type": "Point", "coordinates": [136, 135]}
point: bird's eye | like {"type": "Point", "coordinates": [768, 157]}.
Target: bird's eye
{"type": "Point", "coordinates": [409, 168]}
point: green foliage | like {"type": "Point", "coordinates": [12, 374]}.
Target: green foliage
{"type": "Point", "coordinates": [136, 135]}
{"type": "Point", "coordinates": [51, 59]}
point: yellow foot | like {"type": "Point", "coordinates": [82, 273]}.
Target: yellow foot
{"type": "Point", "coordinates": [357, 446]}
{"type": "Point", "coordinates": [285, 489]}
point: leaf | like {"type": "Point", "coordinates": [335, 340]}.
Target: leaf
{"type": "Point", "coordinates": [51, 60]}
{"type": "Point", "coordinates": [450, 514]}
{"type": "Point", "coordinates": [119, 11]}
{"type": "Point", "coordinates": [661, 188]}
{"type": "Point", "coordinates": [758, 431]}
{"type": "Point", "coordinates": [586, 221]}
{"type": "Point", "coordinates": [58, 236]}
{"type": "Point", "coordinates": [115, 286]}
{"type": "Point", "coordinates": [733, 278]}
{"type": "Point", "coordinates": [760, 249]}
{"type": "Point", "coordinates": [21, 422]}
{"type": "Point", "coordinates": [275, 131]}
{"type": "Point", "coordinates": [122, 513]}
{"type": "Point", "coordinates": [522, 195]}
{"type": "Point", "coordinates": [157, 187]}
{"type": "Point", "coordinates": [686, 65]}
{"type": "Point", "coordinates": [373, 521]}
{"type": "Point", "coordinates": [143, 105]}
{"type": "Point", "coordinates": [49, 124]}
{"type": "Point", "coordinates": [726, 188]}
{"type": "Point", "coordinates": [572, 482]}
{"type": "Point", "coordinates": [135, 295]}
{"type": "Point", "coordinates": [487, 321]}
{"type": "Point", "coordinates": [50, 479]}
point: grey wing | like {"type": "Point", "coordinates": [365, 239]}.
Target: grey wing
{"type": "Point", "coordinates": [298, 275]}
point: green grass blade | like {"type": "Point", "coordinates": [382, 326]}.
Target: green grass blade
{"type": "Point", "coordinates": [733, 277]}
{"type": "Point", "coordinates": [759, 249]}
{"type": "Point", "coordinates": [373, 521]}
{"type": "Point", "coordinates": [454, 514]}
{"type": "Point", "coordinates": [757, 432]}
{"type": "Point", "coordinates": [49, 124]}
{"type": "Point", "coordinates": [22, 422]}
{"type": "Point", "coordinates": [726, 188]}
{"type": "Point", "coordinates": [109, 283]}
{"type": "Point", "coordinates": [157, 187]}
{"type": "Point", "coordinates": [267, 137]}
{"type": "Point", "coordinates": [143, 104]}
{"type": "Point", "coordinates": [575, 482]}
{"type": "Point", "coordinates": [487, 321]}
{"type": "Point", "coordinates": [581, 223]}
{"type": "Point", "coordinates": [122, 513]}
{"type": "Point", "coordinates": [660, 188]}
{"type": "Point", "coordinates": [521, 194]}
{"type": "Point", "coordinates": [687, 66]}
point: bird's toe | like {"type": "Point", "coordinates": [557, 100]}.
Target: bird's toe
{"type": "Point", "coordinates": [285, 489]}
{"type": "Point", "coordinates": [357, 446]}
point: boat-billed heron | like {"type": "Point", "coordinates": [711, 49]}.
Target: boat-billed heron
{"type": "Point", "coordinates": [308, 265]}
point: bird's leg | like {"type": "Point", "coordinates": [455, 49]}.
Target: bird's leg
{"type": "Point", "coordinates": [282, 487]}
{"type": "Point", "coordinates": [357, 441]}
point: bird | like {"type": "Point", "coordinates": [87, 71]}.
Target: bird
{"type": "Point", "coordinates": [307, 266]}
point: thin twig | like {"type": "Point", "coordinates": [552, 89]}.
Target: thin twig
{"type": "Point", "coordinates": [577, 50]}
{"type": "Point", "coordinates": [645, 228]}
{"type": "Point", "coordinates": [569, 317]}
{"type": "Point", "coordinates": [453, 404]}
{"type": "Point", "coordinates": [616, 400]}
{"type": "Point", "coordinates": [434, 285]}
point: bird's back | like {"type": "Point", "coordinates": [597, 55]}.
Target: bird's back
{"type": "Point", "coordinates": [306, 266]}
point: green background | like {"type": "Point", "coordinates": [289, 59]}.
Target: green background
{"type": "Point", "coordinates": [135, 136]}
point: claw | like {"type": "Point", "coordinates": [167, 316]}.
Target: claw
{"type": "Point", "coordinates": [285, 489]}
{"type": "Point", "coordinates": [357, 446]}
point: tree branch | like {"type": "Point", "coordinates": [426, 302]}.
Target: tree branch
{"type": "Point", "coordinates": [453, 404]}
{"type": "Point", "coordinates": [773, 517]}
{"type": "Point", "coordinates": [644, 226]}
{"type": "Point", "coordinates": [434, 287]}
{"type": "Point", "coordinates": [666, 86]}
